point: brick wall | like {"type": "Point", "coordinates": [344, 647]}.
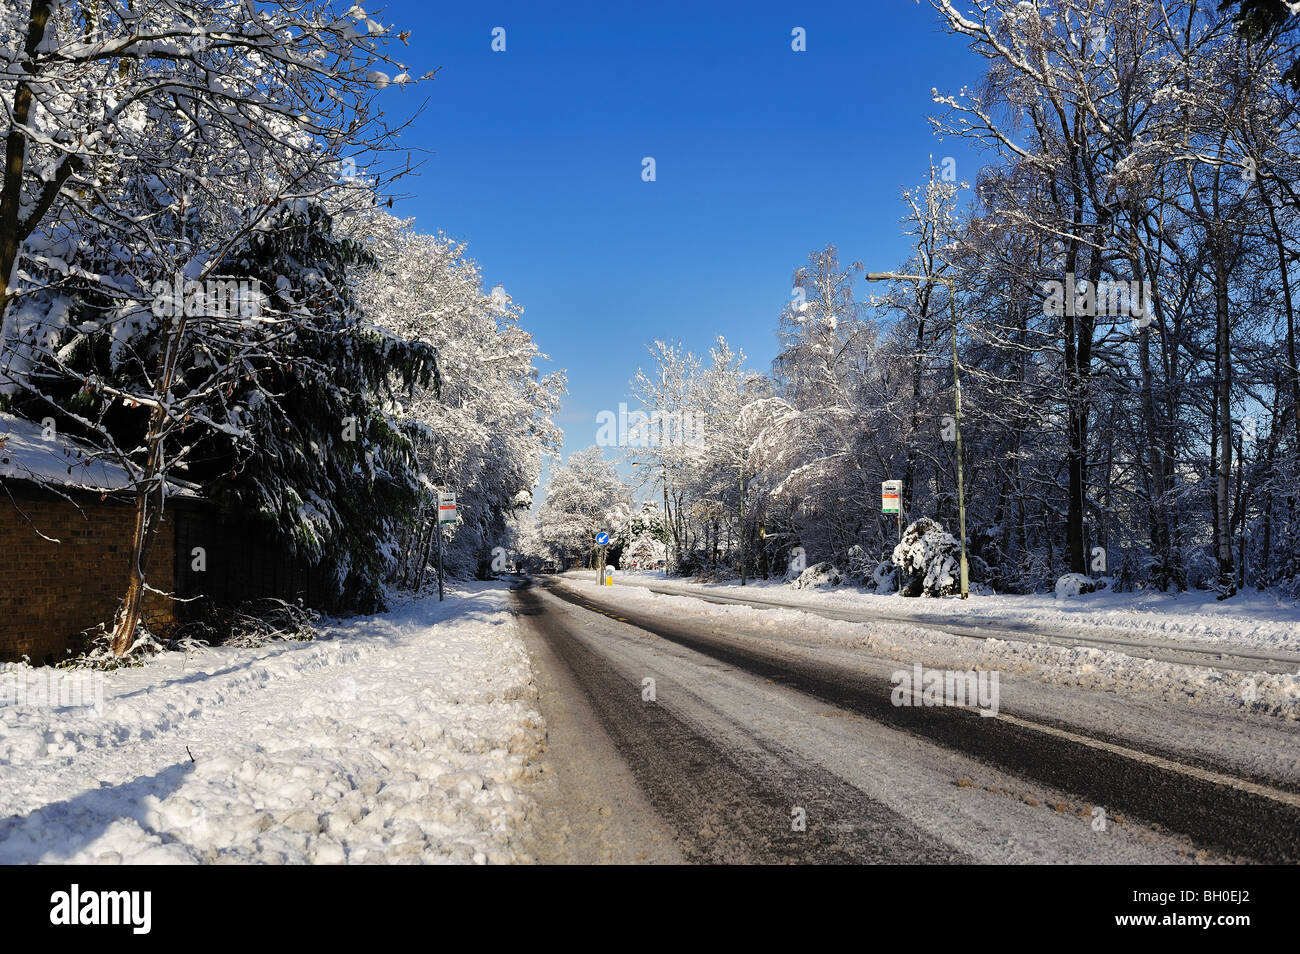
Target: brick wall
{"type": "Point", "coordinates": [50, 592]}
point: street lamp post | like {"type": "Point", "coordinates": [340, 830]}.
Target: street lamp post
{"type": "Point", "coordinates": [956, 397]}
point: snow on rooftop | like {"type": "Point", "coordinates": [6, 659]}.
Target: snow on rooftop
{"type": "Point", "coordinates": [26, 453]}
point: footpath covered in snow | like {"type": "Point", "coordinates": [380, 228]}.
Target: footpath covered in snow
{"type": "Point", "coordinates": [402, 737]}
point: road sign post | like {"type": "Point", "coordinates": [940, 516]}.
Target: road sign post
{"type": "Point", "coordinates": [891, 502]}
{"type": "Point", "coordinates": [602, 541]}
{"type": "Point", "coordinates": [446, 514]}
{"type": "Point", "coordinates": [437, 536]}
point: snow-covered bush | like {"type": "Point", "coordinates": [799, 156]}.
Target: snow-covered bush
{"type": "Point", "coordinates": [929, 560]}
{"type": "Point", "coordinates": [1076, 584]}
{"type": "Point", "coordinates": [859, 564]}
{"type": "Point", "coordinates": [96, 650]}
{"type": "Point", "coordinates": [247, 626]}
{"type": "Point", "coordinates": [1200, 567]}
{"type": "Point", "coordinates": [881, 579]}
{"type": "Point", "coordinates": [819, 574]}
{"type": "Point", "coordinates": [870, 573]}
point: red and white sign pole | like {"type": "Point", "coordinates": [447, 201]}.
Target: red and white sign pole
{"type": "Point", "coordinates": [446, 514]}
{"type": "Point", "coordinates": [891, 501]}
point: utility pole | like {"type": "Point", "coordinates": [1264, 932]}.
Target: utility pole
{"type": "Point", "coordinates": [956, 397]}
{"type": "Point", "coordinates": [961, 483]}
{"type": "Point", "coordinates": [1241, 515]}
{"type": "Point", "coordinates": [741, 467]}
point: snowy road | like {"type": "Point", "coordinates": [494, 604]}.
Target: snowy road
{"type": "Point", "coordinates": [751, 730]}
{"type": "Point", "coordinates": [674, 730]}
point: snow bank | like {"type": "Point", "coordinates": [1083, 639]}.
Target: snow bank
{"type": "Point", "coordinates": [1248, 620]}
{"type": "Point", "coordinates": [402, 737]}
{"type": "Point", "coordinates": [1101, 670]}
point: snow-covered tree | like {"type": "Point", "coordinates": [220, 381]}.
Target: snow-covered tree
{"type": "Point", "coordinates": [486, 429]}
{"type": "Point", "coordinates": [584, 496]}
{"type": "Point", "coordinates": [151, 146]}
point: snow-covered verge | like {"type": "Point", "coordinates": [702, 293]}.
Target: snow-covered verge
{"type": "Point", "coordinates": [401, 737]}
{"type": "Point", "coordinates": [1101, 670]}
{"type": "Point", "coordinates": [1248, 620]}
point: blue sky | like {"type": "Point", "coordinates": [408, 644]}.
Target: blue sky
{"type": "Point", "coordinates": [762, 154]}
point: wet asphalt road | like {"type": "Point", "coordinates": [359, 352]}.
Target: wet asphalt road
{"type": "Point", "coordinates": [736, 792]}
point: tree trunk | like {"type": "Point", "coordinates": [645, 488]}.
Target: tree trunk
{"type": "Point", "coordinates": [142, 537]}
{"type": "Point", "coordinates": [1262, 574]}
{"type": "Point", "coordinates": [1293, 375]}
{"type": "Point", "coordinates": [1156, 466]}
{"type": "Point", "coordinates": [1223, 407]}
{"type": "Point", "coordinates": [11, 191]}
{"type": "Point", "coordinates": [1079, 330]}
